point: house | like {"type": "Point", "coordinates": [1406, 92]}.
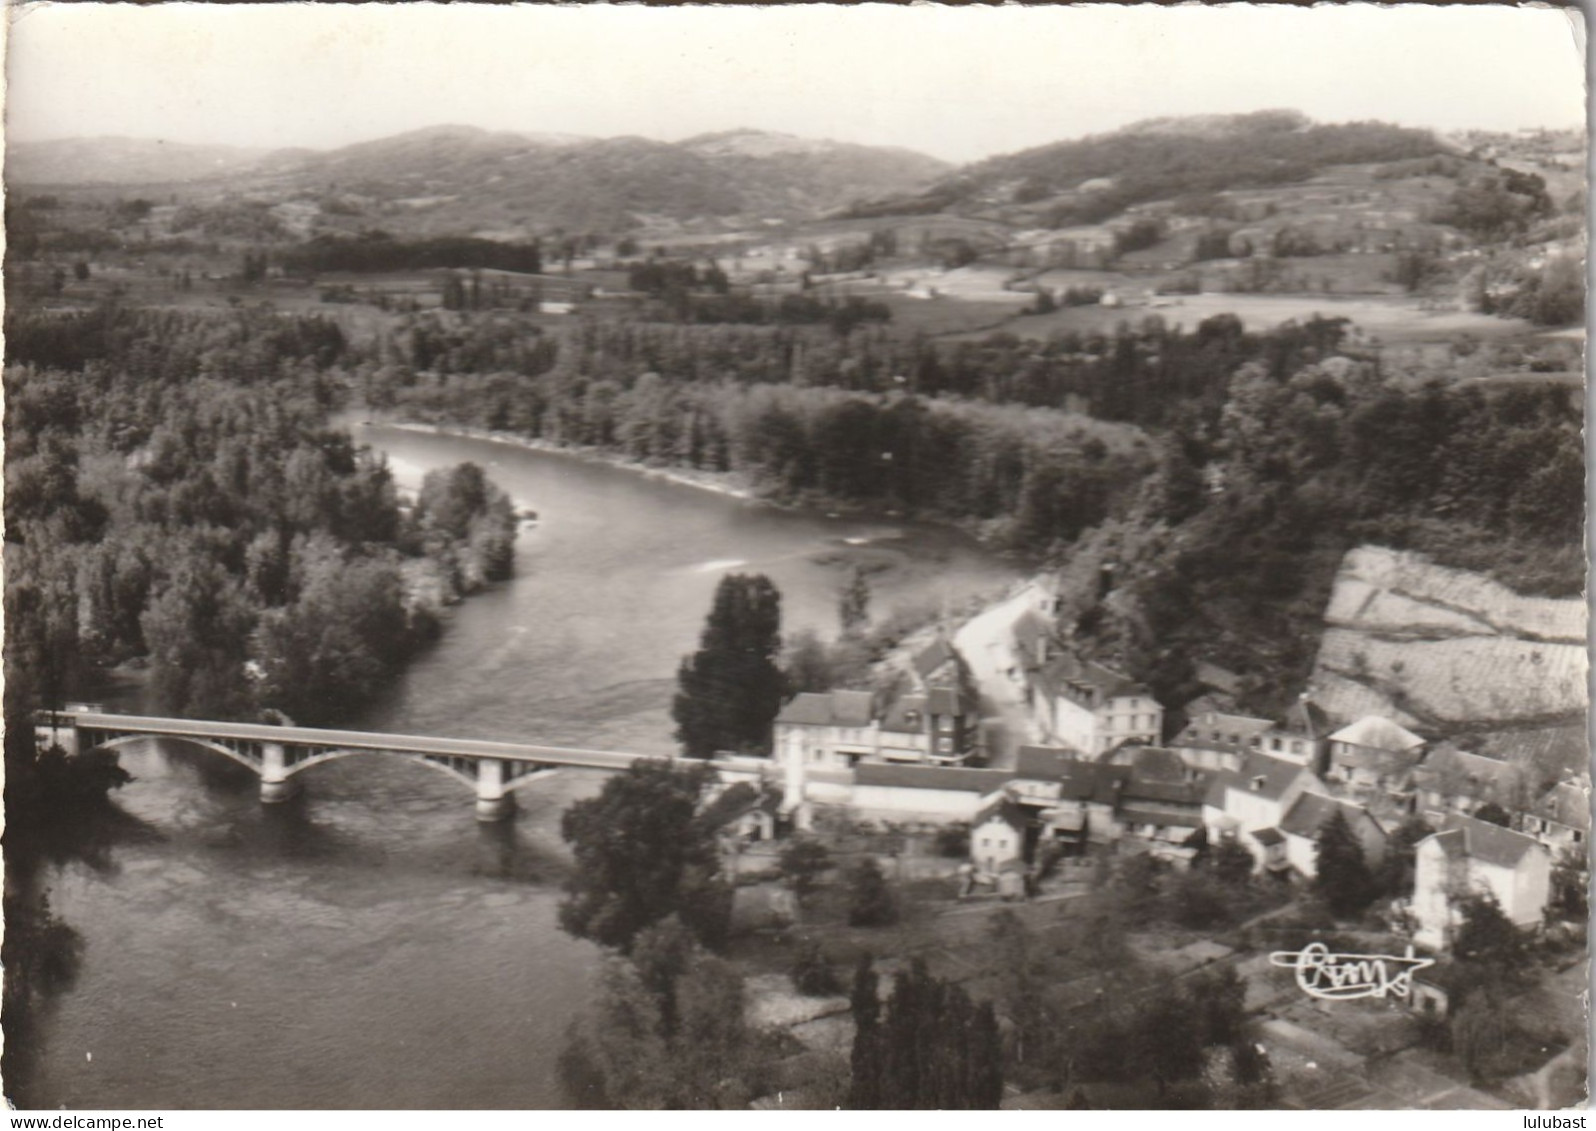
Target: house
{"type": "Point", "coordinates": [1248, 805]}
{"type": "Point", "coordinates": [742, 813]}
{"type": "Point", "coordinates": [1075, 801]}
{"type": "Point", "coordinates": [1454, 781]}
{"type": "Point", "coordinates": [997, 835]}
{"type": "Point", "coordinates": [1560, 819]}
{"type": "Point", "coordinates": [1165, 813]}
{"type": "Point", "coordinates": [935, 794]}
{"type": "Point", "coordinates": [1373, 760]}
{"type": "Point", "coordinates": [1217, 741]}
{"type": "Point", "coordinates": [1299, 832]}
{"type": "Point", "coordinates": [1473, 856]}
{"type": "Point", "coordinates": [1303, 736]}
{"type": "Point", "coordinates": [837, 730]}
{"type": "Point", "coordinates": [1090, 706]}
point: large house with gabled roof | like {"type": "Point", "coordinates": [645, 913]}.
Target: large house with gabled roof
{"type": "Point", "coordinates": [1248, 805]}
{"type": "Point", "coordinates": [1299, 832]}
{"type": "Point", "coordinates": [1214, 740]}
{"type": "Point", "coordinates": [1090, 706]}
{"type": "Point", "coordinates": [1469, 856]}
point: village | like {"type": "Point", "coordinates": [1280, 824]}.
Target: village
{"type": "Point", "coordinates": [1004, 772]}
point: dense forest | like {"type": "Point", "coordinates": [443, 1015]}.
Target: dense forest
{"type": "Point", "coordinates": [1214, 466]}
{"type": "Point", "coordinates": [185, 506]}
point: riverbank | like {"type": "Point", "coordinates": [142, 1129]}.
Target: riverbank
{"type": "Point", "coordinates": [730, 484]}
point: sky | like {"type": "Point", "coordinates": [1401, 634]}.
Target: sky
{"type": "Point", "coordinates": [957, 83]}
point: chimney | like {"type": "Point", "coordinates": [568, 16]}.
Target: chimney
{"type": "Point", "coordinates": [1258, 784]}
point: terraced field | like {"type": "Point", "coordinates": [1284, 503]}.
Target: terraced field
{"type": "Point", "coordinates": [1445, 649]}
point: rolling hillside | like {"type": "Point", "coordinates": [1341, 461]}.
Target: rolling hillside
{"type": "Point", "coordinates": [1090, 179]}
{"type": "Point", "coordinates": [461, 178]}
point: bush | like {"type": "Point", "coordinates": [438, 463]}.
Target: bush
{"type": "Point", "coordinates": [802, 863]}
{"type": "Point", "coordinates": [812, 975]}
{"type": "Point", "coordinates": [870, 900]}
{"type": "Point", "coordinates": [953, 841]}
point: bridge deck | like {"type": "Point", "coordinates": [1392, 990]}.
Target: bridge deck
{"type": "Point", "coordinates": [352, 740]}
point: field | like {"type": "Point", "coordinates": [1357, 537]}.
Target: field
{"type": "Point", "coordinates": [1446, 648]}
{"type": "Point", "coordinates": [1395, 321]}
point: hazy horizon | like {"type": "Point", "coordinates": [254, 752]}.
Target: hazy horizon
{"type": "Point", "coordinates": [955, 83]}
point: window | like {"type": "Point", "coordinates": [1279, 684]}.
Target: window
{"type": "Point", "coordinates": [1296, 747]}
{"type": "Point", "coordinates": [1578, 836]}
{"type": "Point", "coordinates": [1274, 744]}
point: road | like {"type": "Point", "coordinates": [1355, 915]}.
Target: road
{"type": "Point", "coordinates": [985, 642]}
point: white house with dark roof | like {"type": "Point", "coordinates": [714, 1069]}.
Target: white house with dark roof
{"type": "Point", "coordinates": [1452, 780]}
{"type": "Point", "coordinates": [1092, 707]}
{"type": "Point", "coordinates": [997, 834]}
{"type": "Point", "coordinates": [1299, 829]}
{"type": "Point", "coordinates": [1472, 856]}
{"type": "Point", "coordinates": [1302, 736]}
{"type": "Point", "coordinates": [1373, 759]}
{"type": "Point", "coordinates": [1214, 740]}
{"type": "Point", "coordinates": [1248, 805]}
{"type": "Point", "coordinates": [1560, 819]}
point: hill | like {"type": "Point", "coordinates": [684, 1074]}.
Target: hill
{"type": "Point", "coordinates": [460, 179]}
{"type": "Point", "coordinates": [1091, 179]}
{"type": "Point", "coordinates": [122, 160]}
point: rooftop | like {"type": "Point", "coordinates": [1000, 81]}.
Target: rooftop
{"type": "Point", "coordinates": [1309, 812]}
{"type": "Point", "coordinates": [1217, 730]}
{"type": "Point", "coordinates": [829, 708]}
{"type": "Point", "coordinates": [1380, 733]}
{"type": "Point", "coordinates": [953, 778]}
{"type": "Point", "coordinates": [1085, 681]}
{"type": "Point", "coordinates": [1466, 837]}
{"type": "Point", "coordinates": [1260, 774]}
{"type": "Point", "coordinates": [1566, 803]}
{"type": "Point", "coordinates": [1450, 770]}
{"type": "Point", "coordinates": [933, 656]}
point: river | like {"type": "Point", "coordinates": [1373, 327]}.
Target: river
{"type": "Point", "coordinates": [370, 945]}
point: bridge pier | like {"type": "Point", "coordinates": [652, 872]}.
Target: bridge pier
{"type": "Point", "coordinates": [275, 784]}
{"type": "Point", "coordinates": [494, 802]}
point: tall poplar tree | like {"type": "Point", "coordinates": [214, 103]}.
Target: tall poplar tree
{"type": "Point", "coordinates": [730, 689]}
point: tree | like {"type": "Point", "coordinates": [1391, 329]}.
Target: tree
{"type": "Point", "coordinates": [1494, 814]}
{"type": "Point", "coordinates": [669, 1031]}
{"type": "Point", "coordinates": [1232, 864]}
{"type": "Point", "coordinates": [1488, 940]}
{"type": "Point", "coordinates": [731, 689]}
{"type": "Point", "coordinates": [802, 863]}
{"type": "Point", "coordinates": [811, 972]}
{"type": "Point", "coordinates": [1479, 1032]}
{"type": "Point", "coordinates": [1343, 877]}
{"type": "Point", "coordinates": [930, 1048]}
{"type": "Point", "coordinates": [642, 854]}
{"type": "Point", "coordinates": [1395, 877]}
{"type": "Point", "coordinates": [853, 604]}
{"type": "Point", "coordinates": [870, 901]}
{"type": "Point", "coordinates": [1571, 887]}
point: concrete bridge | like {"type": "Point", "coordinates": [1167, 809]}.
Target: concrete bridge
{"type": "Point", "coordinates": [494, 770]}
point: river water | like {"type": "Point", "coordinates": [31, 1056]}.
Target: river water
{"type": "Point", "coordinates": [370, 945]}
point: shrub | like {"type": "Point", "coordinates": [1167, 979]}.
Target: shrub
{"type": "Point", "coordinates": [870, 900]}
{"type": "Point", "coordinates": [953, 841]}
{"type": "Point", "coordinates": [812, 975]}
